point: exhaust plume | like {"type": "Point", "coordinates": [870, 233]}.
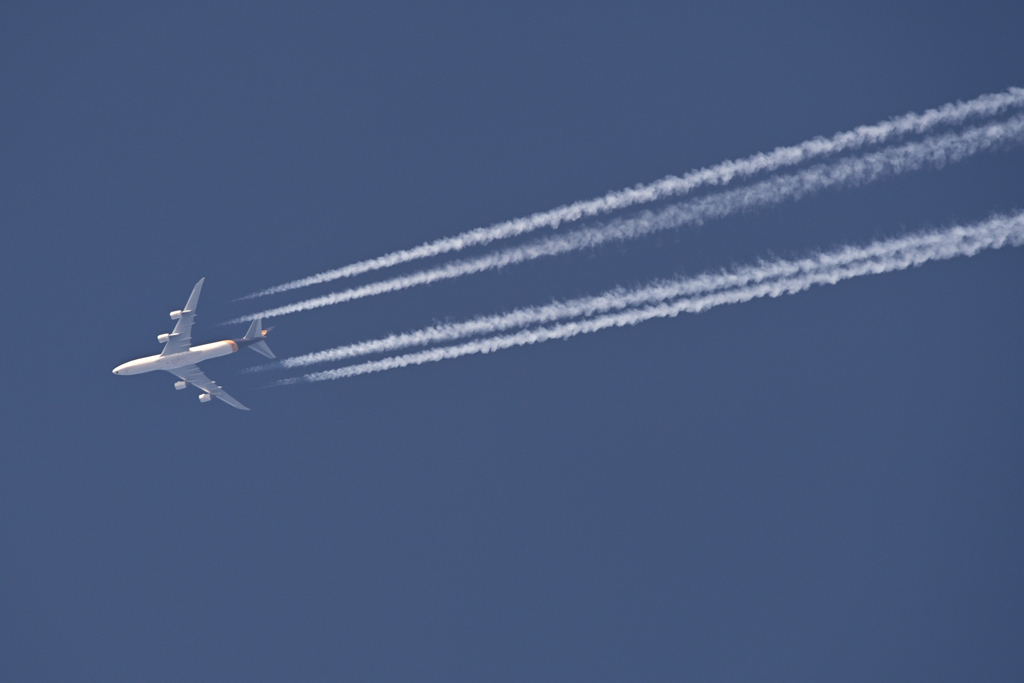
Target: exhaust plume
{"type": "Point", "coordinates": [934, 151]}
{"type": "Point", "coordinates": [615, 299]}
{"type": "Point", "coordinates": [720, 174]}
{"type": "Point", "coordinates": [830, 268]}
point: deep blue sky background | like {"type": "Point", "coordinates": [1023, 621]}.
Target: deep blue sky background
{"type": "Point", "coordinates": [821, 487]}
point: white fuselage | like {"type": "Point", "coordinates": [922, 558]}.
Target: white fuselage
{"type": "Point", "coordinates": [196, 354]}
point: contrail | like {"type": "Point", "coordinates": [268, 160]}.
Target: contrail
{"type": "Point", "coordinates": [934, 151]}
{"type": "Point", "coordinates": [615, 299]}
{"type": "Point", "coordinates": [720, 174]}
{"type": "Point", "coordinates": [879, 257]}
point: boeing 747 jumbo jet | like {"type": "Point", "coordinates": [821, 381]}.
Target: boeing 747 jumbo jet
{"type": "Point", "coordinates": [181, 359]}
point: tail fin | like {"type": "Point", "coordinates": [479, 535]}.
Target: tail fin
{"type": "Point", "coordinates": [256, 331]}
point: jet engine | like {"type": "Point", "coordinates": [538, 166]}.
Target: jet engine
{"type": "Point", "coordinates": [175, 315]}
{"type": "Point", "coordinates": [163, 338]}
{"type": "Point", "coordinates": [180, 385]}
{"type": "Point", "coordinates": [203, 398]}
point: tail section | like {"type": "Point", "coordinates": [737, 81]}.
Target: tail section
{"type": "Point", "coordinates": [255, 335]}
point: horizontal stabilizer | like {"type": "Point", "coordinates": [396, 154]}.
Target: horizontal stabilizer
{"type": "Point", "coordinates": [261, 348]}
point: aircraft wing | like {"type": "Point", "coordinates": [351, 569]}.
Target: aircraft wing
{"type": "Point", "coordinates": [181, 338]}
{"type": "Point", "coordinates": [193, 375]}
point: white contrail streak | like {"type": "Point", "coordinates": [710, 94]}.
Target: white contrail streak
{"type": "Point", "coordinates": [934, 151]}
{"type": "Point", "coordinates": [880, 257]}
{"type": "Point", "coordinates": [615, 299]}
{"type": "Point", "coordinates": [720, 174]}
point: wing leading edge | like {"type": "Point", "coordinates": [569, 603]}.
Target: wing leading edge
{"type": "Point", "coordinates": [193, 375]}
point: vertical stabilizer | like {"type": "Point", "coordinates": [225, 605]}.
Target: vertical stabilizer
{"type": "Point", "coordinates": [255, 330]}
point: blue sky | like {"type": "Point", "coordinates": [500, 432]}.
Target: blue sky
{"type": "Point", "coordinates": [823, 486]}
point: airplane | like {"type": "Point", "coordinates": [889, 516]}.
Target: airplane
{"type": "Point", "coordinates": [181, 359]}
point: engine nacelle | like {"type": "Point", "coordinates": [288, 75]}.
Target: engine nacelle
{"type": "Point", "coordinates": [180, 385]}
{"type": "Point", "coordinates": [203, 398]}
{"type": "Point", "coordinates": [175, 315]}
{"type": "Point", "coordinates": [163, 338]}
